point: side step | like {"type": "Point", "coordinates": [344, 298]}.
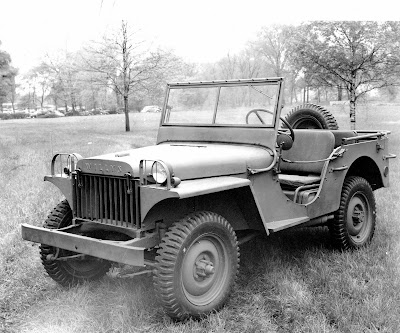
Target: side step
{"type": "Point", "coordinates": [284, 224]}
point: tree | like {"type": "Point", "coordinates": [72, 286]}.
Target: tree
{"type": "Point", "coordinates": [125, 65]}
{"type": "Point", "coordinates": [7, 78]}
{"type": "Point", "coordinates": [356, 56]}
{"type": "Point", "coordinates": [41, 77]}
{"type": "Point", "coordinates": [274, 44]}
{"type": "Point", "coordinates": [62, 73]}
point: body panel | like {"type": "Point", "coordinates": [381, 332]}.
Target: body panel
{"type": "Point", "coordinates": [189, 160]}
{"type": "Point", "coordinates": [335, 172]}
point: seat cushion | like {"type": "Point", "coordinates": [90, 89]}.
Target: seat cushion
{"type": "Point", "coordinates": [296, 180]}
{"type": "Point", "coordinates": [309, 145]}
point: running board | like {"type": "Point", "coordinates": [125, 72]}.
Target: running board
{"type": "Point", "coordinates": [284, 224]}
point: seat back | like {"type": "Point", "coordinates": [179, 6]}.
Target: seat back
{"type": "Point", "coordinates": [309, 145]}
{"type": "Point", "coordinates": [339, 135]}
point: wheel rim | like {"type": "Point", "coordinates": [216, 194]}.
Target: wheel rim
{"type": "Point", "coordinates": [307, 123]}
{"type": "Point", "coordinates": [205, 270]}
{"type": "Point", "coordinates": [359, 218]}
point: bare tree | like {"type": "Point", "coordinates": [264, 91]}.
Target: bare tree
{"type": "Point", "coordinates": [228, 66]}
{"type": "Point", "coordinates": [62, 71]}
{"type": "Point", "coordinates": [40, 77]}
{"type": "Point", "coordinates": [124, 64]}
{"type": "Point", "coordinates": [249, 63]}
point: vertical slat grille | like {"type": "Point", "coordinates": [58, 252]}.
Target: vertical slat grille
{"type": "Point", "coordinates": [106, 200]}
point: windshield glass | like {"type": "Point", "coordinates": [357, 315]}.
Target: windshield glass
{"type": "Point", "coordinates": [245, 104]}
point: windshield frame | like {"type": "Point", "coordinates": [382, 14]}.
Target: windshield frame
{"type": "Point", "coordinates": [219, 84]}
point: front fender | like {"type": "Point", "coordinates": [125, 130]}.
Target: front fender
{"type": "Point", "coordinates": [151, 195]}
{"type": "Point", "coordinates": [64, 184]}
{"type": "Point", "coordinates": [62, 166]}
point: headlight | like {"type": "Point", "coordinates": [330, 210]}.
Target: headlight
{"type": "Point", "coordinates": [159, 172]}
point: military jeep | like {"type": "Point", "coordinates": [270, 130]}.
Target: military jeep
{"type": "Point", "coordinates": [226, 167]}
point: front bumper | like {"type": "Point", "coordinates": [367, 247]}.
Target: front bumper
{"type": "Point", "coordinates": [110, 250]}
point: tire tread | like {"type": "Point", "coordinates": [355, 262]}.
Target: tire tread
{"type": "Point", "coordinates": [168, 252]}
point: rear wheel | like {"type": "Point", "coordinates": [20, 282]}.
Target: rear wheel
{"type": "Point", "coordinates": [71, 271]}
{"type": "Point", "coordinates": [311, 116]}
{"type": "Point", "coordinates": [196, 265]}
{"type": "Point", "coordinates": [354, 222]}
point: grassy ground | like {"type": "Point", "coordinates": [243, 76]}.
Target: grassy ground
{"type": "Point", "coordinates": [290, 282]}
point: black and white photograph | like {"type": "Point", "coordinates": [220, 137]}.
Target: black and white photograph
{"type": "Point", "coordinates": [199, 166]}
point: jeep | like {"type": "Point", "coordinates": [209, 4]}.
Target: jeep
{"type": "Point", "coordinates": [226, 167]}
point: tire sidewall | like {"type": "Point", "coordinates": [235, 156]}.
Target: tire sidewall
{"type": "Point", "coordinates": [339, 229]}
{"type": "Point", "coordinates": [61, 271]}
{"type": "Point", "coordinates": [308, 115]}
{"type": "Point", "coordinates": [217, 230]}
{"type": "Point", "coordinates": [365, 190]}
{"type": "Point", "coordinates": [317, 117]}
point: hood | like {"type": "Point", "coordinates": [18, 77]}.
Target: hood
{"type": "Point", "coordinates": [188, 161]}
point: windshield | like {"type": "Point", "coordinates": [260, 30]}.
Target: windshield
{"type": "Point", "coordinates": [236, 104]}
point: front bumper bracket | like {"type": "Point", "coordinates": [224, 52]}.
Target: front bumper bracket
{"type": "Point", "coordinates": [109, 250]}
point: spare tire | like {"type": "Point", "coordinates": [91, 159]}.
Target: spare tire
{"type": "Point", "coordinates": [311, 116]}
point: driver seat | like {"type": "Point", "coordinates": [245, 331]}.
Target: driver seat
{"type": "Point", "coordinates": [309, 145]}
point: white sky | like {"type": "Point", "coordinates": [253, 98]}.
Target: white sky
{"type": "Point", "coordinates": [197, 30]}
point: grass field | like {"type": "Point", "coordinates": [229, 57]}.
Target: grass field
{"type": "Point", "coordinates": [293, 281]}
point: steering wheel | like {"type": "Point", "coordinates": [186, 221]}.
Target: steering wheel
{"type": "Point", "coordinates": [288, 131]}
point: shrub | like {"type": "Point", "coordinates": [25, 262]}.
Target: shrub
{"type": "Point", "coordinates": [19, 115]}
{"type": "Point", "coordinates": [5, 116]}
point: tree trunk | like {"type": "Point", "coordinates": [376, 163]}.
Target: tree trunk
{"type": "Point", "coordinates": [353, 105]}
{"type": "Point", "coordinates": [291, 94]}
{"type": "Point", "coordinates": [55, 99]}
{"type": "Point", "coordinates": [339, 92]}
{"type": "Point", "coordinates": [127, 125]}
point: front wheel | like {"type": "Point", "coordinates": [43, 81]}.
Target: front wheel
{"type": "Point", "coordinates": [354, 222]}
{"type": "Point", "coordinates": [196, 265]}
{"type": "Point", "coordinates": [71, 271]}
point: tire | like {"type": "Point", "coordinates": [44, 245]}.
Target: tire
{"type": "Point", "coordinates": [69, 272]}
{"type": "Point", "coordinates": [311, 116]}
{"type": "Point", "coordinates": [196, 265]}
{"type": "Point", "coordinates": [354, 222]}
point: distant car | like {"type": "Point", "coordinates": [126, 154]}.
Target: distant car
{"type": "Point", "coordinates": [151, 108]}
{"type": "Point", "coordinates": [85, 113]}
{"type": "Point", "coordinates": [57, 113]}
{"type": "Point", "coordinates": [32, 113]}
{"type": "Point", "coordinates": [98, 111]}
{"type": "Point", "coordinates": [50, 114]}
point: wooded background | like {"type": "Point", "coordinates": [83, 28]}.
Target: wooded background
{"type": "Point", "coordinates": [321, 61]}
